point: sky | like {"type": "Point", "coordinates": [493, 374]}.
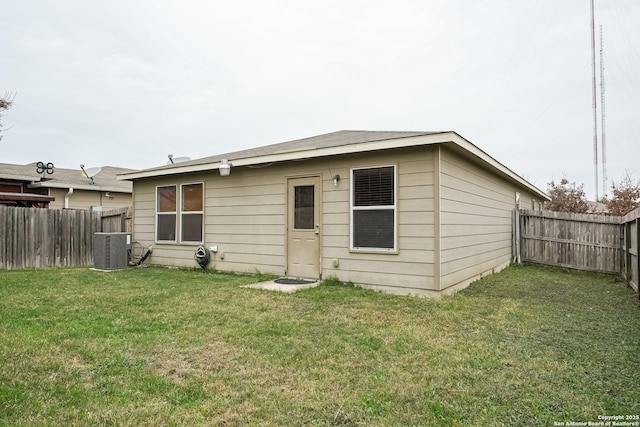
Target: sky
{"type": "Point", "coordinates": [126, 83]}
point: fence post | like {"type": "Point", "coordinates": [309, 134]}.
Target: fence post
{"type": "Point", "coordinates": [516, 238]}
{"type": "Point", "coordinates": [622, 250]}
{"type": "Point", "coordinates": [627, 252]}
{"type": "Point", "coordinates": [637, 249]}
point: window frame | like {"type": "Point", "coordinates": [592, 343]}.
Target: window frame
{"type": "Point", "coordinates": [313, 208]}
{"type": "Point", "coordinates": [183, 213]}
{"type": "Point", "coordinates": [159, 213]}
{"type": "Point", "coordinates": [394, 208]}
{"type": "Point", "coordinates": [9, 184]}
{"type": "Point", "coordinates": [179, 214]}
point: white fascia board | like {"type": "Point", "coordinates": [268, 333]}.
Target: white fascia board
{"type": "Point", "coordinates": [169, 171]}
{"type": "Point", "coordinates": [471, 148]}
{"type": "Point", "coordinates": [87, 187]}
{"type": "Point", "coordinates": [361, 147]}
{"type": "Point", "coordinates": [301, 154]}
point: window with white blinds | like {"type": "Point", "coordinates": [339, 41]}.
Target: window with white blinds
{"type": "Point", "coordinates": [373, 208]}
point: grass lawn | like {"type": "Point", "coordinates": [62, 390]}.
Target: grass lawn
{"type": "Point", "coordinates": [150, 346]}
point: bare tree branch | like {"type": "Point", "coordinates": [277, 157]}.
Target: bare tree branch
{"type": "Point", "coordinates": [5, 103]}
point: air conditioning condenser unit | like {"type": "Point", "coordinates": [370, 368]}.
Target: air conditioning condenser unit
{"type": "Point", "coordinates": [111, 251]}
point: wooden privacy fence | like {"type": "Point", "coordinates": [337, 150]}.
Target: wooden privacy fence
{"type": "Point", "coordinates": [35, 238]}
{"type": "Point", "coordinates": [631, 249]}
{"type": "Point", "coordinates": [586, 242]}
{"type": "Point", "coordinates": [116, 220]}
{"type": "Point", "coordinates": [598, 243]}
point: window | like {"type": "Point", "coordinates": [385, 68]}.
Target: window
{"type": "Point", "coordinates": [190, 210]}
{"type": "Point", "coordinates": [191, 213]}
{"type": "Point", "coordinates": [166, 213]}
{"type": "Point", "coordinates": [9, 187]}
{"type": "Point", "coordinates": [373, 209]}
{"type": "Point", "coordinates": [304, 207]}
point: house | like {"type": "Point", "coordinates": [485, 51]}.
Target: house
{"type": "Point", "coordinates": [36, 185]}
{"type": "Point", "coordinates": [422, 213]}
{"type": "Point", "coordinates": [597, 208]}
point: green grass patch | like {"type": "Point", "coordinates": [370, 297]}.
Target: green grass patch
{"type": "Point", "coordinates": [151, 346]}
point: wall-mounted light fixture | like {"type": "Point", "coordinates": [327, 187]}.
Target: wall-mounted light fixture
{"type": "Point", "coordinates": [225, 167]}
{"type": "Point", "coordinates": [336, 179]}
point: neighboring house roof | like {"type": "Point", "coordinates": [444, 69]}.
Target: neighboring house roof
{"type": "Point", "coordinates": [597, 208]}
{"type": "Point", "coordinates": [28, 198]}
{"type": "Point", "coordinates": [330, 144]}
{"type": "Point", "coordinates": [106, 180]}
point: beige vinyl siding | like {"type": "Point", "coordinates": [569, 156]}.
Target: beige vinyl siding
{"type": "Point", "coordinates": [410, 270]}
{"type": "Point", "coordinates": [80, 199]}
{"type": "Point", "coordinates": [117, 200]}
{"type": "Point", "coordinates": [144, 221]}
{"type": "Point", "coordinates": [335, 220]}
{"type": "Point", "coordinates": [476, 225]}
{"type": "Point", "coordinates": [85, 199]}
{"type": "Point", "coordinates": [245, 216]}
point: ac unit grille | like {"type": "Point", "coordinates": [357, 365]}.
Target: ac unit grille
{"type": "Point", "coordinates": [110, 251]}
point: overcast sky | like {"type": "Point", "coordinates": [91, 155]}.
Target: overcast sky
{"type": "Point", "coordinates": [127, 83]}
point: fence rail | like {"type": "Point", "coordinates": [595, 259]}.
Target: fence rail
{"type": "Point", "coordinates": [586, 242]}
{"type": "Point", "coordinates": [35, 238]}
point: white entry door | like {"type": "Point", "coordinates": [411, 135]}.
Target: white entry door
{"type": "Point", "coordinates": [303, 228]}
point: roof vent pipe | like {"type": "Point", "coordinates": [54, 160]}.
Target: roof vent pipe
{"type": "Point", "coordinates": [66, 198]}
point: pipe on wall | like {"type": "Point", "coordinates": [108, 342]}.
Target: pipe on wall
{"type": "Point", "coordinates": [66, 198]}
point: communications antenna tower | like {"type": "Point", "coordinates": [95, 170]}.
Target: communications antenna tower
{"type": "Point", "coordinates": [602, 117]}
{"type": "Point", "coordinates": [594, 103]}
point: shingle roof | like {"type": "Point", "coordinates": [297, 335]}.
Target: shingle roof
{"type": "Point", "coordinates": [65, 178]}
{"type": "Point", "coordinates": [329, 140]}
{"type": "Point", "coordinates": [330, 144]}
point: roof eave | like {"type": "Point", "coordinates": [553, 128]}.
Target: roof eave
{"type": "Point", "coordinates": [301, 154]}
{"type": "Point", "coordinates": [360, 147]}
{"type": "Point", "coordinates": [88, 187]}
{"type": "Point", "coordinates": [26, 197]}
{"type": "Point", "coordinates": [26, 178]}
{"type": "Point", "coordinates": [474, 150]}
